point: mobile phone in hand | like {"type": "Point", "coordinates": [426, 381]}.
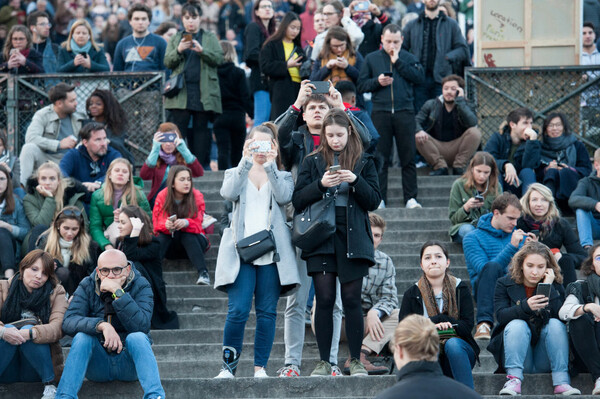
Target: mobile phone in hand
{"type": "Point", "coordinates": [388, 74]}
{"type": "Point", "coordinates": [334, 168]}
{"type": "Point", "coordinates": [168, 137]}
{"type": "Point", "coordinates": [543, 289]}
{"type": "Point", "coordinates": [320, 87]}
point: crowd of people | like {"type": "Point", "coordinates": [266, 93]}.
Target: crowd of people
{"type": "Point", "coordinates": [308, 127]}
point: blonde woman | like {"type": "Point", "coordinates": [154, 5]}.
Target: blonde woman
{"type": "Point", "coordinates": [80, 53]}
{"type": "Point", "coordinates": [119, 188]}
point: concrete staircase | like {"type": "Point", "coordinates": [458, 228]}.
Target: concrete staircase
{"type": "Point", "coordinates": [188, 358]}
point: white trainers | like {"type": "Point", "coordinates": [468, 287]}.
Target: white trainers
{"type": "Point", "coordinates": [260, 373]}
{"type": "Point", "coordinates": [225, 374]}
{"type": "Point", "coordinates": [596, 390]}
{"type": "Point", "coordinates": [49, 392]}
{"type": "Point", "coordinates": [412, 204]}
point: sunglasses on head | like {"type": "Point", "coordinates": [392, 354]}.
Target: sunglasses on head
{"type": "Point", "coordinates": [71, 212]}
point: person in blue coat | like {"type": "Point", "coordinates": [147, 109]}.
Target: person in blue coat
{"type": "Point", "coordinates": [80, 53]}
{"type": "Point", "coordinates": [109, 317]}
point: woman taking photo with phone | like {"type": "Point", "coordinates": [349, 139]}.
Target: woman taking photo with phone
{"type": "Point", "coordinates": [448, 303]}
{"type": "Point", "coordinates": [259, 190]}
{"type": "Point", "coordinates": [542, 217]}
{"type": "Point", "coordinates": [280, 61]}
{"type": "Point", "coordinates": [177, 217]}
{"type": "Point", "coordinates": [168, 149]}
{"type": "Point", "coordinates": [338, 59]}
{"type": "Point", "coordinates": [529, 337]}
{"type": "Point", "coordinates": [18, 56]}
{"type": "Point", "coordinates": [349, 252]}
{"type": "Point", "coordinates": [472, 195]}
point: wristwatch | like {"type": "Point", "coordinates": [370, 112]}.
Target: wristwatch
{"type": "Point", "coordinates": [118, 294]}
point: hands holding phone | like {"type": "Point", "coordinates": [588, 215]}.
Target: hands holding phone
{"type": "Point", "coordinates": [334, 177]}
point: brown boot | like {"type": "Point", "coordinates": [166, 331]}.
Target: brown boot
{"type": "Point", "coordinates": [370, 367]}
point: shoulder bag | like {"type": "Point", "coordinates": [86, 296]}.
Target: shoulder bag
{"type": "Point", "coordinates": [315, 224]}
{"type": "Point", "coordinates": [258, 244]}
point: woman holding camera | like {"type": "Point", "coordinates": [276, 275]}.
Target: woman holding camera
{"type": "Point", "coordinates": [18, 56]}
{"type": "Point", "coordinates": [472, 195]}
{"type": "Point", "coordinates": [168, 149]}
{"type": "Point", "coordinates": [349, 252]}
{"type": "Point", "coordinates": [529, 337]}
{"type": "Point", "coordinates": [542, 217]}
{"type": "Point", "coordinates": [259, 190]}
{"type": "Point", "coordinates": [448, 303]}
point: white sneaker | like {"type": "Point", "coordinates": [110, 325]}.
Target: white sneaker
{"type": "Point", "coordinates": [412, 204]}
{"type": "Point", "coordinates": [49, 392]}
{"type": "Point", "coordinates": [596, 390]}
{"type": "Point", "coordinates": [225, 374]}
{"type": "Point", "coordinates": [260, 373]}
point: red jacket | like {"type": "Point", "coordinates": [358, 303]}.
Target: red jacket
{"type": "Point", "coordinates": [159, 216]}
{"type": "Point", "coordinates": [157, 175]}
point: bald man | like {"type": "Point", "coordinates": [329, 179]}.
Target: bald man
{"type": "Point", "coordinates": [109, 317]}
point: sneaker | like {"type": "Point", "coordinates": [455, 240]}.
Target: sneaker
{"type": "Point", "coordinates": [289, 370]}
{"type": "Point", "coordinates": [566, 390]}
{"type": "Point", "coordinates": [483, 331]}
{"type": "Point", "coordinates": [261, 373]}
{"type": "Point", "coordinates": [412, 204]}
{"type": "Point", "coordinates": [357, 368]}
{"type": "Point", "coordinates": [225, 374]}
{"type": "Point", "coordinates": [370, 367]}
{"type": "Point", "coordinates": [335, 371]}
{"type": "Point", "coordinates": [323, 369]}
{"type": "Point", "coordinates": [596, 390]}
{"type": "Point", "coordinates": [203, 279]}
{"type": "Point", "coordinates": [230, 362]}
{"type": "Point", "coordinates": [49, 392]}
{"type": "Point", "coordinates": [512, 386]}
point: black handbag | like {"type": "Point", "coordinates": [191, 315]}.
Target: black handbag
{"type": "Point", "coordinates": [173, 86]}
{"type": "Point", "coordinates": [315, 224]}
{"type": "Point", "coordinates": [258, 244]}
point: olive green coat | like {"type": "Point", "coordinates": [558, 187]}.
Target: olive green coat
{"type": "Point", "coordinates": [458, 197]}
{"type": "Point", "coordinates": [211, 57]}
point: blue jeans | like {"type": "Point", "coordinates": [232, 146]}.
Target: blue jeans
{"type": "Point", "coordinates": [262, 107]}
{"type": "Point", "coordinates": [459, 359]}
{"type": "Point", "coordinates": [484, 291]}
{"type": "Point", "coordinates": [87, 358]}
{"type": "Point", "coordinates": [587, 227]}
{"type": "Point", "coordinates": [462, 232]}
{"type": "Point", "coordinates": [262, 282]}
{"type": "Point", "coordinates": [550, 354]}
{"type": "Point", "coordinates": [28, 362]}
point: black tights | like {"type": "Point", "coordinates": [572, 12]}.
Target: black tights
{"type": "Point", "coordinates": [325, 289]}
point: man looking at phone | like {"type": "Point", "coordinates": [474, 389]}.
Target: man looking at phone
{"type": "Point", "coordinates": [109, 318]}
{"type": "Point", "coordinates": [142, 50]}
{"type": "Point", "coordinates": [488, 251]}
{"type": "Point", "coordinates": [389, 74]}
{"type": "Point", "coordinates": [446, 132]}
{"type": "Point", "coordinates": [510, 147]}
{"type": "Point", "coordinates": [52, 130]}
{"type": "Point", "coordinates": [89, 161]}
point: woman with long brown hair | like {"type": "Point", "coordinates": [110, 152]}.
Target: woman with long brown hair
{"type": "Point", "coordinates": [18, 57]}
{"type": "Point", "coordinates": [80, 53]}
{"type": "Point", "coordinates": [177, 217]}
{"type": "Point", "coordinates": [349, 252]}
{"type": "Point", "coordinates": [338, 59]}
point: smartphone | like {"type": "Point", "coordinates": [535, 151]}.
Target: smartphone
{"type": "Point", "coordinates": [172, 218]}
{"type": "Point", "coordinates": [320, 87]}
{"type": "Point", "coordinates": [362, 6]}
{"type": "Point", "coordinates": [334, 168]}
{"type": "Point", "coordinates": [388, 74]}
{"type": "Point", "coordinates": [187, 37]}
{"type": "Point", "coordinates": [479, 198]}
{"type": "Point", "coordinates": [536, 233]}
{"type": "Point", "coordinates": [543, 289]}
{"type": "Point", "coordinates": [14, 51]}
{"type": "Point", "coordinates": [168, 137]}
{"type": "Point", "coordinates": [261, 146]}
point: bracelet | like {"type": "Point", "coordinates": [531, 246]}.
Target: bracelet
{"type": "Point", "coordinates": [31, 334]}
{"type": "Point", "coordinates": [583, 307]}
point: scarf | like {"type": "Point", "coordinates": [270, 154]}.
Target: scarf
{"type": "Point", "coordinates": [336, 74]}
{"type": "Point", "coordinates": [79, 50]}
{"type": "Point", "coordinates": [593, 281]}
{"type": "Point", "coordinates": [562, 149]}
{"type": "Point", "coordinates": [544, 226]}
{"type": "Point", "coordinates": [169, 159]}
{"type": "Point", "coordinates": [20, 300]}
{"type": "Point", "coordinates": [65, 250]}
{"type": "Point", "coordinates": [448, 294]}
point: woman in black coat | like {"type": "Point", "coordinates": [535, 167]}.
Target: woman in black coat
{"type": "Point", "coordinates": [459, 350]}
{"type": "Point", "coordinates": [143, 249]}
{"type": "Point", "coordinates": [541, 216]}
{"type": "Point", "coordinates": [280, 61]}
{"type": "Point", "coordinates": [18, 56]}
{"type": "Point", "coordinates": [349, 252]}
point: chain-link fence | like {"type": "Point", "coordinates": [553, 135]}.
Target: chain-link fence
{"type": "Point", "coordinates": [573, 90]}
{"type": "Point", "coordinates": [139, 93]}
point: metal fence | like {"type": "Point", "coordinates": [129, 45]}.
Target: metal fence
{"type": "Point", "coordinates": [573, 90]}
{"type": "Point", "coordinates": [139, 93]}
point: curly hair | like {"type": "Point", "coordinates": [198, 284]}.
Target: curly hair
{"type": "Point", "coordinates": [533, 248]}
{"type": "Point", "coordinates": [587, 266]}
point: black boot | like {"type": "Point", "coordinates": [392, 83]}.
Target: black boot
{"type": "Point", "coordinates": [439, 172]}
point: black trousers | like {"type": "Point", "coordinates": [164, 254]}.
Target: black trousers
{"type": "Point", "coordinates": [230, 131]}
{"type": "Point", "coordinates": [584, 334]}
{"type": "Point", "coordinates": [399, 125]}
{"type": "Point", "coordinates": [194, 246]}
{"type": "Point", "coordinates": [198, 138]}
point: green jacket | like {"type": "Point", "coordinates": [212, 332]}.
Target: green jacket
{"type": "Point", "coordinates": [101, 215]}
{"type": "Point", "coordinates": [211, 58]}
{"type": "Point", "coordinates": [458, 197]}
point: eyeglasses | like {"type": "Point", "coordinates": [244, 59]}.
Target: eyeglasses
{"type": "Point", "coordinates": [553, 125]}
{"type": "Point", "coordinates": [116, 271]}
{"type": "Point", "coordinates": [95, 169]}
{"type": "Point", "coordinates": [340, 46]}
{"type": "Point", "coordinates": [71, 212]}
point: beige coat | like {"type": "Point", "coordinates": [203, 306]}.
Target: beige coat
{"type": "Point", "coordinates": [47, 333]}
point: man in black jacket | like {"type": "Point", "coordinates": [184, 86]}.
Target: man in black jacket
{"type": "Point", "coordinates": [389, 74]}
{"type": "Point", "coordinates": [436, 40]}
{"type": "Point", "coordinates": [446, 132]}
